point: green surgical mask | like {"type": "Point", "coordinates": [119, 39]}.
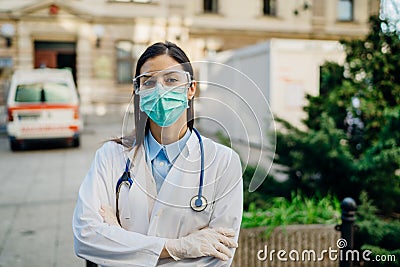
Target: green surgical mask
{"type": "Point", "coordinates": [164, 105]}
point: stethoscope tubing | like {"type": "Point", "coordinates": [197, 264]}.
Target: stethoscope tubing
{"type": "Point", "coordinates": [124, 179]}
{"type": "Point", "coordinates": [198, 201]}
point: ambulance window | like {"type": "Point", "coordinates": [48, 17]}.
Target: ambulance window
{"type": "Point", "coordinates": [28, 93]}
{"type": "Point", "coordinates": [44, 92]}
{"type": "Point", "coordinates": [57, 93]}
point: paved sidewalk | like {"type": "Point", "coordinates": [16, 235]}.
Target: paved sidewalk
{"type": "Point", "coordinates": [37, 196]}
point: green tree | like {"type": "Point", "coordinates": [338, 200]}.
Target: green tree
{"type": "Point", "coordinates": [353, 127]}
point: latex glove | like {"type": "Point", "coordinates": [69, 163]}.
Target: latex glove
{"type": "Point", "coordinates": [109, 215]}
{"type": "Point", "coordinates": [205, 242]}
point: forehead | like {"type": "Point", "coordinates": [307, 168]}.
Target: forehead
{"type": "Point", "coordinates": [161, 62]}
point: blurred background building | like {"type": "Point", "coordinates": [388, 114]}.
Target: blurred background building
{"type": "Point", "coordinates": [100, 40]}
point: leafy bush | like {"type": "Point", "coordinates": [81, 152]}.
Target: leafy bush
{"type": "Point", "coordinates": [381, 236]}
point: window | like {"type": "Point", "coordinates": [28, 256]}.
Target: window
{"type": "Point", "coordinates": [124, 61]}
{"type": "Point", "coordinates": [6, 64]}
{"type": "Point", "coordinates": [210, 6]}
{"type": "Point", "coordinates": [269, 7]}
{"type": "Point", "coordinates": [345, 10]}
{"type": "Point", "coordinates": [127, 54]}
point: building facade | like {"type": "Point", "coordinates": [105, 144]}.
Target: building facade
{"type": "Point", "coordinates": [100, 40]}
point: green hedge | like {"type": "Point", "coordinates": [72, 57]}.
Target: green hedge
{"type": "Point", "coordinates": [298, 209]}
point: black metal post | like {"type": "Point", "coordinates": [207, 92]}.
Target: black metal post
{"type": "Point", "coordinates": [349, 207]}
{"type": "Point", "coordinates": [90, 264]}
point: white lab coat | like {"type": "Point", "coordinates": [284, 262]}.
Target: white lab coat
{"type": "Point", "coordinates": [149, 219]}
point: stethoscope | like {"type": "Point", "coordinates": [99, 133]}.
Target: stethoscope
{"type": "Point", "coordinates": [197, 203]}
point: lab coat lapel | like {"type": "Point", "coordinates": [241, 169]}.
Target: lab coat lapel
{"type": "Point", "coordinates": [145, 181]}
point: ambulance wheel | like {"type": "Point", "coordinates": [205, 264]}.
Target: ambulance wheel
{"type": "Point", "coordinates": [14, 145]}
{"type": "Point", "coordinates": [76, 142]}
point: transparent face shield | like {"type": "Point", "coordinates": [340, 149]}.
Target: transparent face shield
{"type": "Point", "coordinates": [128, 128]}
{"type": "Point", "coordinates": [233, 109]}
{"type": "Point", "coordinates": [230, 108]}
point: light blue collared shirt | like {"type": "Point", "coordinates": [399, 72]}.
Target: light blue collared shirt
{"type": "Point", "coordinates": [163, 156]}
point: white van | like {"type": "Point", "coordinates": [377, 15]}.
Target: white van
{"type": "Point", "coordinates": [43, 104]}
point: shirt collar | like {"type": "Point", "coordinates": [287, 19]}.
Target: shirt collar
{"type": "Point", "coordinates": [172, 150]}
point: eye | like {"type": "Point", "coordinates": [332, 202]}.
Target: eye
{"type": "Point", "coordinates": [171, 80]}
{"type": "Point", "coordinates": [149, 83]}
{"type": "Point", "coordinates": [174, 78]}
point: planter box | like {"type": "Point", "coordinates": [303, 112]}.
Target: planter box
{"type": "Point", "coordinates": [292, 245]}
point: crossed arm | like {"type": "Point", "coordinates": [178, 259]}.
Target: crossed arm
{"type": "Point", "coordinates": [204, 242]}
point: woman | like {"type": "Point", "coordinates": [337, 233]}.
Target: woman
{"type": "Point", "coordinates": [162, 216]}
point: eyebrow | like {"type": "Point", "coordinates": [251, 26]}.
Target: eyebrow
{"type": "Point", "coordinates": [148, 74]}
{"type": "Point", "coordinates": [172, 71]}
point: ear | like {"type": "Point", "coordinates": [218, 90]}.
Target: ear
{"type": "Point", "coordinates": [192, 90]}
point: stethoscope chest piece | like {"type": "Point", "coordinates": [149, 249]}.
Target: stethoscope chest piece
{"type": "Point", "coordinates": [198, 203]}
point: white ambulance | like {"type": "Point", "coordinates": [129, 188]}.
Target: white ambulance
{"type": "Point", "coordinates": [43, 104]}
